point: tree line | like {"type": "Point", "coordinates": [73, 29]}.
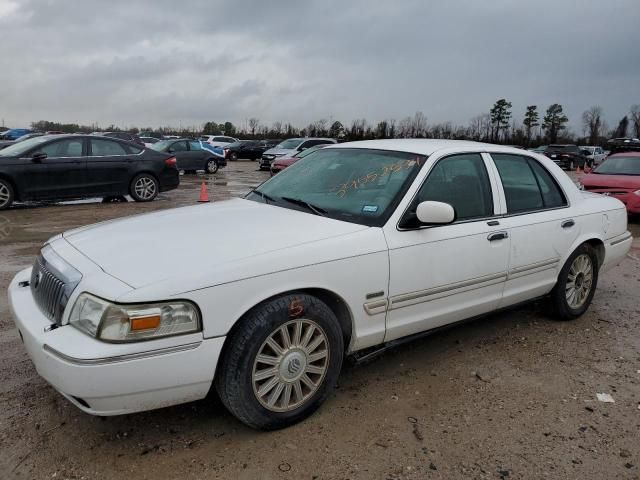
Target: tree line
{"type": "Point", "coordinates": [495, 126]}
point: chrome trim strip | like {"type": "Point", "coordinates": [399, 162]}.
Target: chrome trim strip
{"type": "Point", "coordinates": [406, 299]}
{"type": "Point", "coordinates": [616, 242]}
{"type": "Point", "coordinates": [120, 358]}
{"type": "Point", "coordinates": [533, 268]}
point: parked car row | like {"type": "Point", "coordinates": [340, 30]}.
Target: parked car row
{"type": "Point", "coordinates": [289, 148]}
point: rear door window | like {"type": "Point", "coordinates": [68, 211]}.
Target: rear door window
{"type": "Point", "coordinates": [527, 184]}
{"type": "Point", "coordinates": [179, 146]}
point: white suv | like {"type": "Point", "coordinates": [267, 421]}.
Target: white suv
{"type": "Point", "coordinates": [217, 140]}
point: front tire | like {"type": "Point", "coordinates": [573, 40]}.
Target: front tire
{"type": "Point", "coordinates": [211, 166]}
{"type": "Point", "coordinates": [281, 362]}
{"type": "Point", "coordinates": [144, 187]}
{"type": "Point", "coordinates": [7, 194]}
{"type": "Point", "coordinates": [577, 282]}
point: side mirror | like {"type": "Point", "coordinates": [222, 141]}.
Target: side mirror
{"type": "Point", "coordinates": [435, 213]}
{"type": "Point", "coordinates": [301, 149]}
{"type": "Point", "coordinates": [170, 150]}
{"type": "Point", "coordinates": [38, 157]}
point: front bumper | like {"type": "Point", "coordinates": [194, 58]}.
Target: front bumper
{"type": "Point", "coordinates": [112, 379]}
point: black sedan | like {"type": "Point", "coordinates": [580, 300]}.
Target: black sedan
{"type": "Point", "coordinates": [251, 149]}
{"type": "Point", "coordinates": [192, 155]}
{"type": "Point", "coordinates": [64, 167]}
{"type": "Point", "coordinates": [567, 157]}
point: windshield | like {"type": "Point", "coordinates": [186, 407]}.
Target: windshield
{"type": "Point", "coordinates": [289, 144]}
{"type": "Point", "coordinates": [161, 145]}
{"type": "Point", "coordinates": [18, 149]}
{"type": "Point", "coordinates": [613, 166]}
{"type": "Point", "coordinates": [354, 185]}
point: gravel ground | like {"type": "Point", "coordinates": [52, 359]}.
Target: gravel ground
{"type": "Point", "coordinates": [509, 396]}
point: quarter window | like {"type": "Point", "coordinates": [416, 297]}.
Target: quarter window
{"type": "Point", "coordinates": [462, 182]}
{"type": "Point", "coordinates": [106, 148]}
{"type": "Point", "coordinates": [527, 185]}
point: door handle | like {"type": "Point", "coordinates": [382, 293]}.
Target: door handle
{"type": "Point", "coordinates": [497, 236]}
{"type": "Point", "coordinates": [568, 223]}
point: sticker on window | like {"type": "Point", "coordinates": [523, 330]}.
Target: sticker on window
{"type": "Point", "coordinates": [370, 208]}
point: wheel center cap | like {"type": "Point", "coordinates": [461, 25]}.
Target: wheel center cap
{"type": "Point", "coordinates": [293, 365]}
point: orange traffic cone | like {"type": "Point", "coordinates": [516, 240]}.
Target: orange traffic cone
{"type": "Point", "coordinates": [204, 197]}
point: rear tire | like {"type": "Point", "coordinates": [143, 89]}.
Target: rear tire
{"type": "Point", "coordinates": [211, 166]}
{"type": "Point", "coordinates": [144, 187]}
{"type": "Point", "coordinates": [281, 362]}
{"type": "Point", "coordinates": [7, 194]}
{"type": "Point", "coordinates": [233, 156]}
{"type": "Point", "coordinates": [576, 285]}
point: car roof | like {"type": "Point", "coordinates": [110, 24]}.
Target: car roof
{"type": "Point", "coordinates": [423, 146]}
{"type": "Point", "coordinates": [626, 154]}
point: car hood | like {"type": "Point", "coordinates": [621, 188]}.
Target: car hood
{"type": "Point", "coordinates": [280, 151]}
{"type": "Point", "coordinates": [619, 181]}
{"type": "Point", "coordinates": [190, 241]}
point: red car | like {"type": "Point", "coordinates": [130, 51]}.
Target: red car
{"type": "Point", "coordinates": [618, 176]}
{"type": "Point", "coordinates": [280, 164]}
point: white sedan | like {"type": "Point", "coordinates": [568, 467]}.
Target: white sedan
{"type": "Point", "coordinates": [261, 298]}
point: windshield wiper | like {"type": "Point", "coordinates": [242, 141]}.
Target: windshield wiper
{"type": "Point", "coordinates": [263, 195]}
{"type": "Point", "coordinates": [309, 206]}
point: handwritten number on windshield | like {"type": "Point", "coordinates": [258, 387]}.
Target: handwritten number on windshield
{"type": "Point", "coordinates": [344, 188]}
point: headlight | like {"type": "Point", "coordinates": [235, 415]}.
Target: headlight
{"type": "Point", "coordinates": [637, 192]}
{"type": "Point", "coordinates": [129, 323]}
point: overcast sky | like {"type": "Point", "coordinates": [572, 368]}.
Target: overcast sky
{"type": "Point", "coordinates": [168, 62]}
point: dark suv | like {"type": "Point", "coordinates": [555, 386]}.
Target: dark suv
{"type": "Point", "coordinates": [567, 156]}
{"type": "Point", "coordinates": [129, 137]}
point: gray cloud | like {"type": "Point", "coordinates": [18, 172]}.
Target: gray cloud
{"type": "Point", "coordinates": [164, 62]}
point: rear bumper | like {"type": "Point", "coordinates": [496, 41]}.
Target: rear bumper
{"type": "Point", "coordinates": [169, 180]}
{"type": "Point", "coordinates": [113, 379]}
{"type": "Point", "coordinates": [616, 249]}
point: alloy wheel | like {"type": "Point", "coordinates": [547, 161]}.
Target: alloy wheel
{"type": "Point", "coordinates": [145, 188]}
{"type": "Point", "coordinates": [291, 365]}
{"type": "Point", "coordinates": [579, 281]}
{"type": "Point", "coordinates": [5, 194]}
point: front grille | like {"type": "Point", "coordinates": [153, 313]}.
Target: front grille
{"type": "Point", "coordinates": [53, 281]}
{"type": "Point", "coordinates": [47, 290]}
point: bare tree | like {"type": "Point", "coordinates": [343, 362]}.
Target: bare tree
{"type": "Point", "coordinates": [635, 119]}
{"type": "Point", "coordinates": [592, 123]}
{"type": "Point", "coordinates": [418, 126]}
{"type": "Point", "coordinates": [253, 124]}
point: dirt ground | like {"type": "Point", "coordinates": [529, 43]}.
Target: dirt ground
{"type": "Point", "coordinates": [510, 396]}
